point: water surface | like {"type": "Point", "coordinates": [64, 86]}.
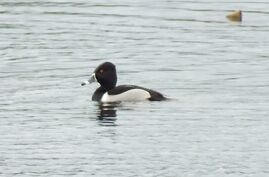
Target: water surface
{"type": "Point", "coordinates": [215, 71]}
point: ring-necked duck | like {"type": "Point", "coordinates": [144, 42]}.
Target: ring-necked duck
{"type": "Point", "coordinates": [105, 74]}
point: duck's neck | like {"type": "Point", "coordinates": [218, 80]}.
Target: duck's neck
{"type": "Point", "coordinates": [107, 83]}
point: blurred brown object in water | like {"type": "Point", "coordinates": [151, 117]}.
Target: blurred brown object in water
{"type": "Point", "coordinates": [235, 16]}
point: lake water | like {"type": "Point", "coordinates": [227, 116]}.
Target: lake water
{"type": "Point", "coordinates": [215, 72]}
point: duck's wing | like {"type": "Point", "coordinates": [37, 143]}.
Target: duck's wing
{"type": "Point", "coordinates": [154, 95]}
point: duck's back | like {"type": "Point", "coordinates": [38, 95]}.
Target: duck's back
{"type": "Point", "coordinates": [131, 93]}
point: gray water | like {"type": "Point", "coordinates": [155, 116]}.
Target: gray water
{"type": "Point", "coordinates": [216, 73]}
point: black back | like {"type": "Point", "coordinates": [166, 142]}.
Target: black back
{"type": "Point", "coordinates": [154, 95]}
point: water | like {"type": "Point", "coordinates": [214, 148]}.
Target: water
{"type": "Point", "coordinates": [215, 71]}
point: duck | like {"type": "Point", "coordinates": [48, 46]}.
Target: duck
{"type": "Point", "coordinates": [106, 75]}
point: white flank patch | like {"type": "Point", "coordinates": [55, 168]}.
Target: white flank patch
{"type": "Point", "coordinates": [130, 95]}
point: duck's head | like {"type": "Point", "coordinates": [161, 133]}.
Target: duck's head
{"type": "Point", "coordinates": [105, 74]}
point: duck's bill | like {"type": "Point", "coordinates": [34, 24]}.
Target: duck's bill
{"type": "Point", "coordinates": [91, 80]}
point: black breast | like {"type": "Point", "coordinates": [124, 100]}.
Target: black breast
{"type": "Point", "coordinates": [97, 96]}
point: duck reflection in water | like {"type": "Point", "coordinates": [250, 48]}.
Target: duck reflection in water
{"type": "Point", "coordinates": [107, 113]}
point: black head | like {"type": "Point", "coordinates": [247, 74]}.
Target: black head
{"type": "Point", "coordinates": [106, 75]}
